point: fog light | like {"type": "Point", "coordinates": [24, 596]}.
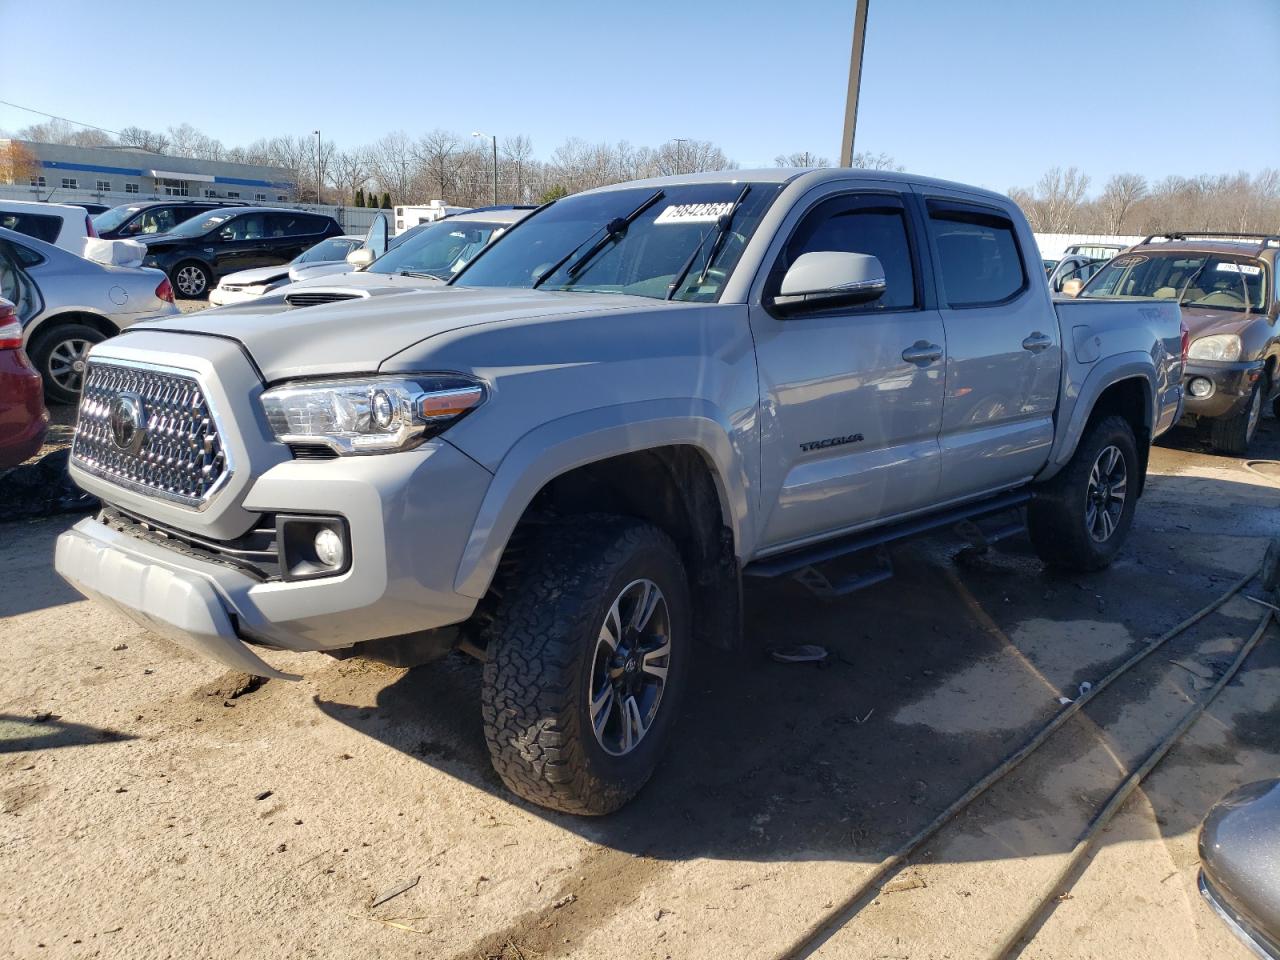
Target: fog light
{"type": "Point", "coordinates": [329, 548]}
{"type": "Point", "coordinates": [1200, 387]}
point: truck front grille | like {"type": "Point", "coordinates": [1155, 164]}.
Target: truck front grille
{"type": "Point", "coordinates": [149, 430]}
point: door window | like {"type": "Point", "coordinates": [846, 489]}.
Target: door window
{"type": "Point", "coordinates": [978, 254]}
{"type": "Point", "coordinates": [869, 224]}
{"type": "Point", "coordinates": [15, 285]}
{"type": "Point", "coordinates": [249, 227]}
{"type": "Point", "coordinates": [38, 225]}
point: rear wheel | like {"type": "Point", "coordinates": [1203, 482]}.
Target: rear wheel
{"type": "Point", "coordinates": [1079, 519]}
{"type": "Point", "coordinates": [60, 355]}
{"type": "Point", "coordinates": [190, 280]}
{"type": "Point", "coordinates": [587, 659]}
{"type": "Point", "coordinates": [1232, 435]}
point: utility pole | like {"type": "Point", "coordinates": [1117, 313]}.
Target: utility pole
{"type": "Point", "coordinates": [476, 133]}
{"type": "Point", "coordinates": [317, 136]}
{"type": "Point", "coordinates": [855, 81]}
{"type": "Point", "coordinates": [678, 141]}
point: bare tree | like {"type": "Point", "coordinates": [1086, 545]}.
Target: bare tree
{"type": "Point", "coordinates": [152, 140]}
{"type": "Point", "coordinates": [517, 151]}
{"type": "Point", "coordinates": [349, 170]}
{"type": "Point", "coordinates": [61, 131]}
{"type": "Point", "coordinates": [1122, 191]}
{"type": "Point", "coordinates": [865, 160]}
{"type": "Point", "coordinates": [801, 159]}
{"type": "Point", "coordinates": [435, 151]}
{"type": "Point", "coordinates": [390, 160]}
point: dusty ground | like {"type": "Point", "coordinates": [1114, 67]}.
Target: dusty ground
{"type": "Point", "coordinates": [147, 813]}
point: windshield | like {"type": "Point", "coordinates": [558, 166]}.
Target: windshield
{"type": "Point", "coordinates": [643, 259]}
{"type": "Point", "coordinates": [1222, 281]}
{"type": "Point", "coordinates": [440, 249]}
{"type": "Point", "coordinates": [110, 219]}
{"type": "Point", "coordinates": [198, 226]}
{"type": "Point", "coordinates": [335, 248]}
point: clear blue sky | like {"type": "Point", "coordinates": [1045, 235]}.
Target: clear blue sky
{"type": "Point", "coordinates": [991, 92]}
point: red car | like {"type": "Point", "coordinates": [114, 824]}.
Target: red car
{"type": "Point", "coordinates": [23, 418]}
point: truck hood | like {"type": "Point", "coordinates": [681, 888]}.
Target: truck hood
{"type": "Point", "coordinates": [356, 336]}
{"type": "Point", "coordinates": [364, 280]}
{"type": "Point", "coordinates": [1206, 321]}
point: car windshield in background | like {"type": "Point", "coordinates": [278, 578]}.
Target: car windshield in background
{"type": "Point", "coordinates": [110, 219]}
{"type": "Point", "coordinates": [198, 226]}
{"type": "Point", "coordinates": [1217, 280]}
{"type": "Point", "coordinates": [439, 250]}
{"type": "Point", "coordinates": [335, 248]}
{"type": "Point", "coordinates": [580, 244]}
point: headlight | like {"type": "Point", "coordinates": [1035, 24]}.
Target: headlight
{"type": "Point", "coordinates": [375, 415]}
{"type": "Point", "coordinates": [1222, 346]}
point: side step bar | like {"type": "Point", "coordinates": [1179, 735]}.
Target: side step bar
{"type": "Point", "coordinates": [803, 560]}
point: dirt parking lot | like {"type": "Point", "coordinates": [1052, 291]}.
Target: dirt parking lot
{"type": "Point", "coordinates": [152, 808]}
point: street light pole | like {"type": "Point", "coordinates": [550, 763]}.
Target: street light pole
{"type": "Point", "coordinates": [855, 81]}
{"type": "Point", "coordinates": [678, 141]}
{"type": "Point", "coordinates": [317, 135]}
{"type": "Point", "coordinates": [476, 133]}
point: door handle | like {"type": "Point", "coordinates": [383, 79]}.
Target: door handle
{"type": "Point", "coordinates": [922, 352]}
{"type": "Point", "coordinates": [1037, 342]}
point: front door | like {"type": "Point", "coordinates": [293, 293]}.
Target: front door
{"type": "Point", "coordinates": [241, 244]}
{"type": "Point", "coordinates": [851, 397]}
{"type": "Point", "coordinates": [1004, 351]}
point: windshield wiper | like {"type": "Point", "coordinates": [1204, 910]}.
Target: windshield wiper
{"type": "Point", "coordinates": [421, 273]}
{"type": "Point", "coordinates": [721, 228]}
{"type": "Point", "coordinates": [612, 230]}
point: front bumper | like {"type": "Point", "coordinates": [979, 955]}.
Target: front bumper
{"type": "Point", "coordinates": [409, 516]}
{"type": "Point", "coordinates": [1232, 386]}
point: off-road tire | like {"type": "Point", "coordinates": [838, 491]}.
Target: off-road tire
{"type": "Point", "coordinates": [1056, 517]}
{"type": "Point", "coordinates": [193, 294]}
{"type": "Point", "coordinates": [1232, 435]}
{"type": "Point", "coordinates": [541, 646]}
{"type": "Point", "coordinates": [48, 342]}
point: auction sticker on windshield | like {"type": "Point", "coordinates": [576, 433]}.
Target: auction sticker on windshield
{"type": "Point", "coordinates": [1244, 268]}
{"type": "Point", "coordinates": [693, 212]}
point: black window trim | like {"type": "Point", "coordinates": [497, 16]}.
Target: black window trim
{"type": "Point", "coordinates": [973, 208]}
{"type": "Point", "coordinates": [773, 279]}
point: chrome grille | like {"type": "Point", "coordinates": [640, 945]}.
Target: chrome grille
{"type": "Point", "coordinates": [179, 455]}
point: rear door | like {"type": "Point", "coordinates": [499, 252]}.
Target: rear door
{"type": "Point", "coordinates": [1004, 355]}
{"type": "Point", "coordinates": [288, 234]}
{"type": "Point", "coordinates": [851, 397]}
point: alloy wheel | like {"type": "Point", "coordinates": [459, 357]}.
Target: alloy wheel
{"type": "Point", "coordinates": [67, 362]}
{"type": "Point", "coordinates": [191, 281]}
{"type": "Point", "coordinates": [629, 669]}
{"type": "Point", "coordinates": [1105, 496]}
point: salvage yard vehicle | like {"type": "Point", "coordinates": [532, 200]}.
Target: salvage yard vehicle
{"type": "Point", "coordinates": [60, 224]}
{"type": "Point", "coordinates": [1228, 289]}
{"type": "Point", "coordinates": [325, 258]}
{"type": "Point", "coordinates": [566, 461]}
{"type": "Point", "coordinates": [23, 418]}
{"type": "Point", "coordinates": [197, 252]}
{"type": "Point", "coordinates": [67, 303]}
{"type": "Point", "coordinates": [147, 217]}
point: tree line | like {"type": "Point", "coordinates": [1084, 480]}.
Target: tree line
{"type": "Point", "coordinates": [1129, 204]}
{"type": "Point", "coordinates": [458, 169]}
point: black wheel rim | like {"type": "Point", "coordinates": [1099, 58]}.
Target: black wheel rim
{"type": "Point", "coordinates": [629, 667]}
{"type": "Point", "coordinates": [1105, 498]}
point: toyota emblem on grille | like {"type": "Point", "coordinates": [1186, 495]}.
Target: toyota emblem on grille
{"type": "Point", "coordinates": [128, 422]}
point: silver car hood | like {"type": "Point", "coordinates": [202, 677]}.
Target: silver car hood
{"type": "Point", "coordinates": [354, 336]}
{"type": "Point", "coordinates": [301, 272]}
{"type": "Point", "coordinates": [255, 276]}
{"type": "Point", "coordinates": [364, 280]}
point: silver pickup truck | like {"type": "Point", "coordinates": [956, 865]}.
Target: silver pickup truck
{"type": "Point", "coordinates": [566, 461]}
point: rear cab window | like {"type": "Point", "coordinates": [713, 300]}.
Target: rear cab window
{"type": "Point", "coordinates": [979, 260]}
{"type": "Point", "coordinates": [38, 225]}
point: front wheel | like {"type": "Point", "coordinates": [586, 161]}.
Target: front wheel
{"type": "Point", "coordinates": [587, 659]}
{"type": "Point", "coordinates": [1079, 519]}
{"type": "Point", "coordinates": [190, 280]}
{"type": "Point", "coordinates": [60, 355]}
{"type": "Point", "coordinates": [1232, 435]}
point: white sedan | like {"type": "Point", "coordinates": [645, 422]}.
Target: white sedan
{"type": "Point", "coordinates": [326, 257]}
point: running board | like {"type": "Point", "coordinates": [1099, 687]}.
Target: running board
{"type": "Point", "coordinates": [788, 563]}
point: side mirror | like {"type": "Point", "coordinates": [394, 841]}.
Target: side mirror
{"type": "Point", "coordinates": [375, 241]}
{"type": "Point", "coordinates": [360, 257]}
{"type": "Point", "coordinates": [830, 278]}
{"type": "Point", "coordinates": [1072, 288]}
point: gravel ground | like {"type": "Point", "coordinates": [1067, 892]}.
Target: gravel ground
{"type": "Point", "coordinates": [154, 806]}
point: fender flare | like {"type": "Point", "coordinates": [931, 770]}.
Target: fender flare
{"type": "Point", "coordinates": [1130, 365]}
{"type": "Point", "coordinates": [562, 445]}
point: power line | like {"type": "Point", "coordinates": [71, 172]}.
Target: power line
{"type": "Point", "coordinates": [53, 116]}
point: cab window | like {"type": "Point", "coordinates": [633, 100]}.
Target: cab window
{"type": "Point", "coordinates": [978, 256]}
